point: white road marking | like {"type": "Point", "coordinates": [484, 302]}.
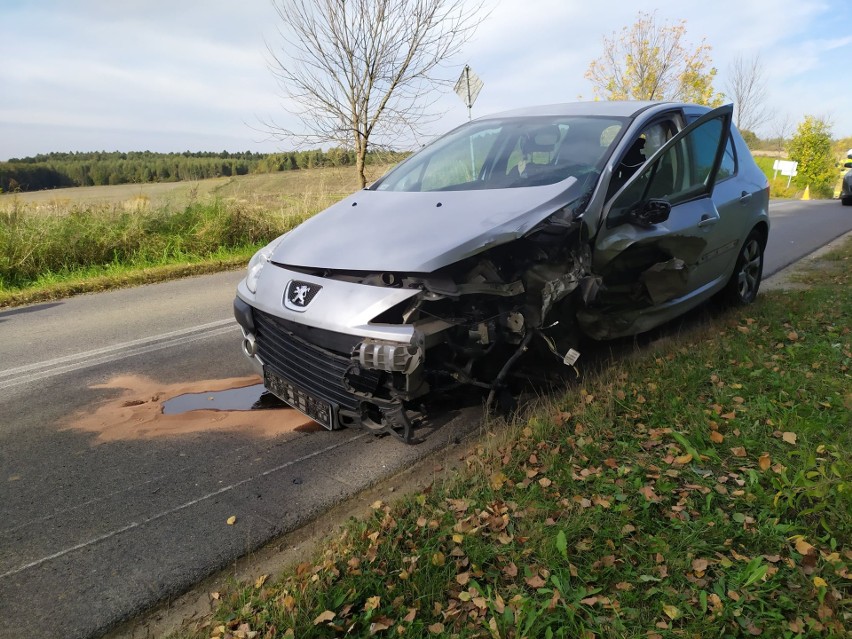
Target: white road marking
{"type": "Point", "coordinates": [40, 370]}
{"type": "Point", "coordinates": [165, 513]}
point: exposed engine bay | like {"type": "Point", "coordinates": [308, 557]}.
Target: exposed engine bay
{"type": "Point", "coordinates": [471, 322]}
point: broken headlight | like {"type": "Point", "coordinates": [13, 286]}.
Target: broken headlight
{"type": "Point", "coordinates": [258, 261]}
{"type": "Point", "coordinates": [393, 357]}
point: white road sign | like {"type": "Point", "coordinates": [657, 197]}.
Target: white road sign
{"type": "Point", "coordinates": [467, 87]}
{"type": "Point", "coordinates": [787, 167]}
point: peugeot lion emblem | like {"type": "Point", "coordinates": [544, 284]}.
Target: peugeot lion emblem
{"type": "Point", "coordinates": [299, 294]}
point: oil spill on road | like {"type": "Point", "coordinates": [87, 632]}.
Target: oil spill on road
{"type": "Point", "coordinates": [254, 397]}
{"type": "Point", "coordinates": [138, 412]}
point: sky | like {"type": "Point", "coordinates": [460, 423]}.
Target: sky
{"type": "Point", "coordinates": [178, 75]}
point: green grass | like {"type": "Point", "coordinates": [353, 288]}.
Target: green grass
{"type": "Point", "coordinates": [68, 241]}
{"type": "Point", "coordinates": [698, 489]}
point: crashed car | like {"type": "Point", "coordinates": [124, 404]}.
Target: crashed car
{"type": "Point", "coordinates": [514, 232]}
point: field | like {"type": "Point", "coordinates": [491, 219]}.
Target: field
{"type": "Point", "coordinates": [275, 189]}
{"type": "Point", "coordinates": [66, 241]}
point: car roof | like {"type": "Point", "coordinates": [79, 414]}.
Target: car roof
{"type": "Point", "coordinates": [617, 108]}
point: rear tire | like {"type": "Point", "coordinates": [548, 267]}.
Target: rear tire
{"type": "Point", "coordinates": [742, 288]}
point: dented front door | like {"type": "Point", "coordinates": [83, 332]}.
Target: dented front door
{"type": "Point", "coordinates": [645, 265]}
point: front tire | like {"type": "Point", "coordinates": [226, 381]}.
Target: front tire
{"type": "Point", "coordinates": [745, 281]}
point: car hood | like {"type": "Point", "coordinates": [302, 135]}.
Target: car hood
{"type": "Point", "coordinates": [417, 232]}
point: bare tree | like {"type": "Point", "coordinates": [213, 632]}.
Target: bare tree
{"type": "Point", "coordinates": [358, 73]}
{"type": "Point", "coordinates": [746, 86]}
{"type": "Point", "coordinates": [782, 127]}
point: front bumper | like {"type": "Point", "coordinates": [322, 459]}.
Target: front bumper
{"type": "Point", "coordinates": [321, 349]}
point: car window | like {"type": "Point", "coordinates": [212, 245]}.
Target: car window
{"type": "Point", "coordinates": [728, 167]}
{"type": "Point", "coordinates": [460, 163]}
{"type": "Point", "coordinates": [704, 143]}
{"type": "Point", "coordinates": [678, 175]}
{"type": "Point", "coordinates": [509, 153]}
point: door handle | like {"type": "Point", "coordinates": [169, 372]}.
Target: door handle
{"type": "Point", "coordinates": [707, 220]}
{"type": "Point", "coordinates": [745, 197]}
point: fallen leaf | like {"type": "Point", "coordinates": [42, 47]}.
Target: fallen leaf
{"type": "Point", "coordinates": [715, 602]}
{"type": "Point", "coordinates": [436, 628]}
{"type": "Point", "coordinates": [819, 582]}
{"type": "Point", "coordinates": [792, 336]}
{"type": "Point", "coordinates": [327, 616]}
{"type": "Point", "coordinates": [739, 451]}
{"type": "Point", "coordinates": [258, 583]}
{"type": "Point", "coordinates": [716, 437]}
{"type": "Point", "coordinates": [372, 603]}
{"type": "Point", "coordinates": [438, 559]}
{"type": "Point", "coordinates": [803, 547]}
{"type": "Point", "coordinates": [412, 613]}
{"type": "Point", "coordinates": [589, 601]}
{"type": "Point", "coordinates": [377, 504]}
{"type": "Point", "coordinates": [462, 578]}
{"type": "Point", "coordinates": [535, 581]}
{"type": "Point", "coordinates": [497, 480]}
{"type": "Point", "coordinates": [699, 565]}
{"type": "Point", "coordinates": [764, 462]}
{"type": "Point", "coordinates": [231, 520]}
{"type": "Point", "coordinates": [671, 611]}
{"type": "Point", "coordinates": [510, 570]}
{"type": "Point", "coordinates": [648, 492]}
{"type": "Point", "coordinates": [544, 482]}
{"type": "Point", "coordinates": [683, 459]}
{"type": "Point", "coordinates": [380, 624]}
{"type": "Point", "coordinates": [789, 437]}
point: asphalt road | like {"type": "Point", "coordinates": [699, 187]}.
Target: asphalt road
{"type": "Point", "coordinates": [94, 529]}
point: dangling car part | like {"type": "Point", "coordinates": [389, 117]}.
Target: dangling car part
{"type": "Point", "coordinates": [523, 228]}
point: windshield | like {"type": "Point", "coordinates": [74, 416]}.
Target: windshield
{"type": "Point", "coordinates": [508, 153]}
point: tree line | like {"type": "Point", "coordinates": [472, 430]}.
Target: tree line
{"type": "Point", "coordinates": [58, 170]}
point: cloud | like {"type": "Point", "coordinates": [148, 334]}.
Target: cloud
{"type": "Point", "coordinates": [200, 66]}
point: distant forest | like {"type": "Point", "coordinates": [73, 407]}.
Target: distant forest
{"type": "Point", "coordinates": [57, 170]}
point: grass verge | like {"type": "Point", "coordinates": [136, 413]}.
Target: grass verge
{"type": "Point", "coordinates": [698, 489]}
{"type": "Point", "coordinates": [67, 241]}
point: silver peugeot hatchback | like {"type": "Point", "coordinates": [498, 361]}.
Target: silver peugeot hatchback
{"type": "Point", "coordinates": [522, 229]}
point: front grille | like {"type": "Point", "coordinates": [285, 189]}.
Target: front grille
{"type": "Point", "coordinates": [311, 368]}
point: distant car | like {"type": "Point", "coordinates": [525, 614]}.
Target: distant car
{"type": "Point", "coordinates": [846, 188]}
{"type": "Point", "coordinates": [515, 230]}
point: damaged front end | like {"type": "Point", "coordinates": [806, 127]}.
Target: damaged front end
{"type": "Point", "coordinates": [466, 324]}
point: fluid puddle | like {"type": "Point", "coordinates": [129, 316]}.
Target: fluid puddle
{"type": "Point", "coordinates": [254, 397]}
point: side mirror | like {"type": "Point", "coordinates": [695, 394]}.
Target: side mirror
{"type": "Point", "coordinates": [648, 213]}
